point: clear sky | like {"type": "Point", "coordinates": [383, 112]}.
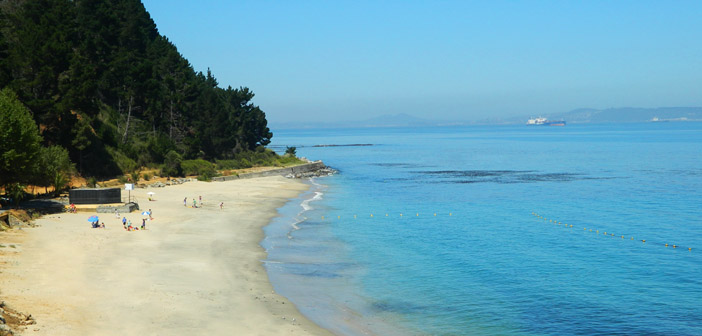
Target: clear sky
{"type": "Point", "coordinates": [451, 60]}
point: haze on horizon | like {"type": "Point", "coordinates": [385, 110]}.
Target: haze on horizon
{"type": "Point", "coordinates": [334, 61]}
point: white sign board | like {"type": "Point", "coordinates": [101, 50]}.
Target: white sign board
{"type": "Point", "coordinates": [128, 186]}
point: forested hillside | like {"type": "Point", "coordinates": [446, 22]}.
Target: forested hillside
{"type": "Point", "coordinates": [101, 82]}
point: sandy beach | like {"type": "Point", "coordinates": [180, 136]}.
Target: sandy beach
{"type": "Point", "coordinates": [194, 271]}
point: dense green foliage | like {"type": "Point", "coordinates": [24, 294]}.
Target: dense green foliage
{"type": "Point", "coordinates": [22, 159]}
{"type": "Point", "coordinates": [101, 82]}
{"type": "Point", "coordinates": [19, 140]}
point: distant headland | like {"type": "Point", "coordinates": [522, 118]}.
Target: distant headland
{"type": "Point", "coordinates": [577, 116]}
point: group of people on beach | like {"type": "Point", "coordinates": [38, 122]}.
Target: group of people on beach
{"type": "Point", "coordinates": [195, 201]}
{"type": "Point", "coordinates": [185, 202]}
{"type": "Point", "coordinates": [127, 223]}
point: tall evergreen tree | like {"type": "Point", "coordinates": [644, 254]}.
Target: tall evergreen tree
{"type": "Point", "coordinates": [19, 141]}
{"type": "Point", "coordinates": [104, 84]}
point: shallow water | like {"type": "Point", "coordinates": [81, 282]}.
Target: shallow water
{"type": "Point", "coordinates": [466, 231]}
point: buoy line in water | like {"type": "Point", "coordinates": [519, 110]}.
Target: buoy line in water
{"type": "Point", "coordinates": [552, 221]}
{"type": "Point", "coordinates": [609, 234]}
{"type": "Point", "coordinates": [416, 214]}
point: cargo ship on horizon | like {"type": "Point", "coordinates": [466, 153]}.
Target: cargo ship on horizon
{"type": "Point", "coordinates": [541, 121]}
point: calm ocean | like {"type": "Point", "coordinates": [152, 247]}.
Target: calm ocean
{"type": "Point", "coordinates": [496, 230]}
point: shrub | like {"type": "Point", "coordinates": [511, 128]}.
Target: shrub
{"type": "Point", "coordinates": [205, 177]}
{"type": "Point", "coordinates": [124, 163]}
{"type": "Point", "coordinates": [122, 179]}
{"type": "Point", "coordinates": [197, 167]}
{"type": "Point", "coordinates": [147, 176]}
{"type": "Point", "coordinates": [172, 164]}
{"type": "Point", "coordinates": [291, 151]}
{"type": "Point", "coordinates": [91, 182]}
{"type": "Point", "coordinates": [245, 163]}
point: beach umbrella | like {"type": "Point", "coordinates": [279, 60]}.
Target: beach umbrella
{"type": "Point", "coordinates": [93, 219]}
{"type": "Point", "coordinates": [150, 192]}
{"type": "Point", "coordinates": [145, 213]}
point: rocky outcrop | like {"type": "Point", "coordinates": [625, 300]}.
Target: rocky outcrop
{"type": "Point", "coordinates": [326, 171]}
{"type": "Point", "coordinates": [311, 169]}
{"type": "Point", "coordinates": [14, 218]}
{"type": "Point", "coordinates": [12, 322]}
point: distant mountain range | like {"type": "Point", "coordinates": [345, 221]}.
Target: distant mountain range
{"type": "Point", "coordinates": [388, 120]}
{"type": "Point", "coordinates": [578, 116]}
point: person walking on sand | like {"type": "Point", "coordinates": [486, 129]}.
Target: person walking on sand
{"type": "Point", "coordinates": [221, 205]}
{"type": "Point", "coordinates": [185, 202]}
{"type": "Point", "coordinates": [124, 221]}
{"type": "Point", "coordinates": [143, 223]}
{"type": "Point", "coordinates": [150, 218]}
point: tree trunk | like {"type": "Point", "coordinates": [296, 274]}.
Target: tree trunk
{"type": "Point", "coordinates": [129, 116]}
{"type": "Point", "coordinates": [170, 131]}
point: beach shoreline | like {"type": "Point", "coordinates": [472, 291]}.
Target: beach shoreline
{"type": "Point", "coordinates": [192, 271]}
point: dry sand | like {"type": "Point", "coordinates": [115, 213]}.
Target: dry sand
{"type": "Point", "coordinates": [192, 272]}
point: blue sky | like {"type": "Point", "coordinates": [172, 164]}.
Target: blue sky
{"type": "Point", "coordinates": [450, 60]}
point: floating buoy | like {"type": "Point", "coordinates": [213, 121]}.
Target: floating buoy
{"type": "Point", "coordinates": [339, 217]}
{"type": "Point", "coordinates": [386, 215]}
{"type": "Point", "coordinates": [449, 214]}
{"type": "Point", "coordinates": [675, 246]}
{"type": "Point", "coordinates": [417, 214]}
{"type": "Point", "coordinates": [643, 240]}
{"type": "Point", "coordinates": [435, 214]}
{"type": "Point", "coordinates": [689, 248]}
{"type": "Point", "coordinates": [371, 215]}
{"type": "Point", "coordinates": [666, 245]}
{"type": "Point", "coordinates": [400, 215]}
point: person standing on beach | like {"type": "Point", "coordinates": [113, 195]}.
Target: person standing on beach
{"type": "Point", "coordinates": [194, 203]}
{"type": "Point", "coordinates": [185, 202]}
{"type": "Point", "coordinates": [150, 218]}
{"type": "Point", "coordinates": [221, 205]}
{"type": "Point", "coordinates": [124, 221]}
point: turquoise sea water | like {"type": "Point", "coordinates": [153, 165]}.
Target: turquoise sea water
{"type": "Point", "coordinates": [471, 234]}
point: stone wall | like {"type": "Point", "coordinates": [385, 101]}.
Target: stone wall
{"type": "Point", "coordinates": [126, 208]}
